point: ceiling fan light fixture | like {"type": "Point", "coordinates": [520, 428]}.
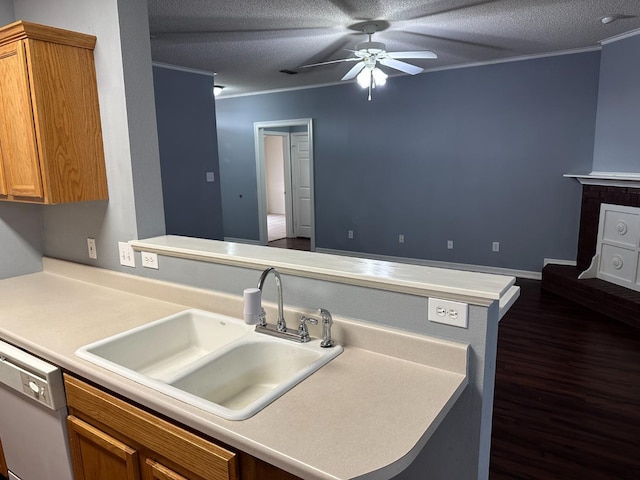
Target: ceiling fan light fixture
{"type": "Point", "coordinates": [371, 77]}
{"type": "Point", "coordinates": [379, 77]}
{"type": "Point", "coordinates": [364, 78]}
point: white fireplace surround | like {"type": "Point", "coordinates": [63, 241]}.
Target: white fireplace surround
{"type": "Point", "coordinates": [617, 258]}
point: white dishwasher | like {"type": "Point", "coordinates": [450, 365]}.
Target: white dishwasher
{"type": "Point", "coordinates": [32, 417]}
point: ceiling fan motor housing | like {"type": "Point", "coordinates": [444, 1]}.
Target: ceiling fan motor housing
{"type": "Point", "coordinates": [364, 49]}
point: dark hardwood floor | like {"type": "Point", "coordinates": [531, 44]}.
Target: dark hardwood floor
{"type": "Point", "coordinates": [298, 243]}
{"type": "Point", "coordinates": [567, 395]}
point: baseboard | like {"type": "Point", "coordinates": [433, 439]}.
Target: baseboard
{"type": "Point", "coordinates": [243, 240]}
{"type": "Point", "coordinates": [434, 263]}
{"type": "Point", "coordinates": [556, 261]}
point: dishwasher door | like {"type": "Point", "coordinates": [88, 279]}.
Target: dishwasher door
{"type": "Point", "coordinates": [32, 417]}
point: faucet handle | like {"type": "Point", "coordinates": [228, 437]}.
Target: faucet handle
{"type": "Point", "coordinates": [303, 331]}
{"type": "Point", "coordinates": [327, 321]}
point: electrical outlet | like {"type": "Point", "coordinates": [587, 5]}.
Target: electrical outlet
{"type": "Point", "coordinates": [125, 252]}
{"type": "Point", "coordinates": [350, 234]}
{"type": "Point", "coordinates": [448, 312]}
{"type": "Point", "coordinates": [401, 238]}
{"type": "Point", "coordinates": [450, 244]}
{"type": "Point", "coordinates": [150, 260]}
{"type": "Point", "coordinates": [495, 246]}
{"type": "Point", "coordinates": [211, 177]}
{"type": "Point", "coordinates": [91, 247]}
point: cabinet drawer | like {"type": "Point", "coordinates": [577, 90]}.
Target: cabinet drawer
{"type": "Point", "coordinates": [181, 447]}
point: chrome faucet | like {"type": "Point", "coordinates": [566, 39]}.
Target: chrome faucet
{"type": "Point", "coordinates": [301, 334]}
{"type": "Point", "coordinates": [280, 328]}
{"type": "Point", "coordinates": [281, 325]}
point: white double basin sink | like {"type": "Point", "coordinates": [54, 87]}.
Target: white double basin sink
{"type": "Point", "coordinates": [214, 362]}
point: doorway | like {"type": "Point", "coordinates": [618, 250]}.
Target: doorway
{"type": "Point", "coordinates": [284, 171]}
{"type": "Point", "coordinates": [276, 157]}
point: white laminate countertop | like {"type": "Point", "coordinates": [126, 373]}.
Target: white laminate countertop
{"type": "Point", "coordinates": [470, 287]}
{"type": "Point", "coordinates": [386, 383]}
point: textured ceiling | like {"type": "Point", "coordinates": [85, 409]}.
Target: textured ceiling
{"type": "Point", "coordinates": [248, 42]}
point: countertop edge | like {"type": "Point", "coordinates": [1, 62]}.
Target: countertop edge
{"type": "Point", "coordinates": [391, 276]}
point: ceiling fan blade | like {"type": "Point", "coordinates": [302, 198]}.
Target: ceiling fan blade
{"type": "Point", "coordinates": [353, 71]}
{"type": "Point", "coordinates": [329, 62]}
{"type": "Point", "coordinates": [402, 66]}
{"type": "Point", "coordinates": [414, 54]}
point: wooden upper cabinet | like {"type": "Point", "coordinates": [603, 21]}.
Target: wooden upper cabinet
{"type": "Point", "coordinates": [51, 147]}
{"type": "Point", "coordinates": [17, 134]}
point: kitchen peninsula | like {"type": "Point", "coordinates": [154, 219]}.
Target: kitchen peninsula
{"type": "Point", "coordinates": [369, 413]}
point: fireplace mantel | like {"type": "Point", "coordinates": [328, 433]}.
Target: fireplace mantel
{"type": "Point", "coordinates": [608, 179]}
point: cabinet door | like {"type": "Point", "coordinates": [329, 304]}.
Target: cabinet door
{"type": "Point", "coordinates": [3, 463]}
{"type": "Point", "coordinates": [3, 184]}
{"type": "Point", "coordinates": [98, 456]}
{"type": "Point", "coordinates": [18, 150]}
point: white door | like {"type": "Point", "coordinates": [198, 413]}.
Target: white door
{"type": "Point", "coordinates": [301, 184]}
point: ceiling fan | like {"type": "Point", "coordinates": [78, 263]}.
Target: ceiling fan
{"type": "Point", "coordinates": [369, 54]}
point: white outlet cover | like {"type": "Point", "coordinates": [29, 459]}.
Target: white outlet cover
{"type": "Point", "coordinates": [91, 247]}
{"type": "Point", "coordinates": [448, 312]}
{"type": "Point", "coordinates": [150, 260]}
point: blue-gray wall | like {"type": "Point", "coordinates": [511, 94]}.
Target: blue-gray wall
{"type": "Point", "coordinates": [20, 225]}
{"type": "Point", "coordinates": [472, 155]}
{"type": "Point", "coordinates": [186, 117]}
{"type": "Point", "coordinates": [617, 145]}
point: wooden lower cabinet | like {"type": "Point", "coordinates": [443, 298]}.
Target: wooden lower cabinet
{"type": "Point", "coordinates": [157, 471]}
{"type": "Point", "coordinates": [111, 439]}
{"type": "Point", "coordinates": [97, 455]}
{"type": "Point", "coordinates": [4, 472]}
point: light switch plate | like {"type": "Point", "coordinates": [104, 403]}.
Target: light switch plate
{"type": "Point", "coordinates": [125, 252]}
{"type": "Point", "coordinates": [448, 312]}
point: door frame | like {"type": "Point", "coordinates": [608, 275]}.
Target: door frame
{"type": "Point", "coordinates": [259, 129]}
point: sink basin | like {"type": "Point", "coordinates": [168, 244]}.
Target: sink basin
{"type": "Point", "coordinates": [248, 371]}
{"type": "Point", "coordinates": [211, 361]}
